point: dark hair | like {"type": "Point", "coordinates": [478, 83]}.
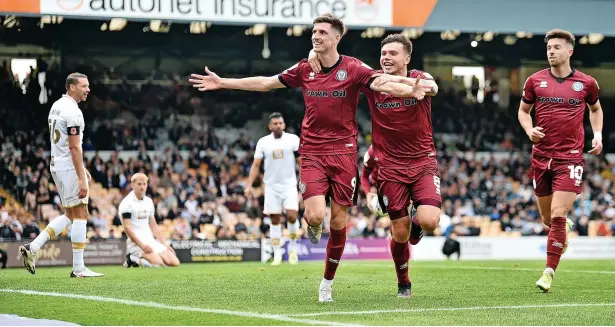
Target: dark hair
{"type": "Point", "coordinates": [392, 38]}
{"type": "Point", "coordinates": [335, 22]}
{"type": "Point", "coordinates": [73, 79]}
{"type": "Point", "coordinates": [275, 115]}
{"type": "Point", "coordinates": [560, 34]}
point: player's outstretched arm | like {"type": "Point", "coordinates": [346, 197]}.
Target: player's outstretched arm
{"type": "Point", "coordinates": [212, 81]}
{"type": "Point", "coordinates": [431, 87]}
{"type": "Point", "coordinates": [399, 90]}
{"type": "Point", "coordinates": [525, 119]}
{"type": "Point", "coordinates": [596, 120]}
{"type": "Point", "coordinates": [428, 84]}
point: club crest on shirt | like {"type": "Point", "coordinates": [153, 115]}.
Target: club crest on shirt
{"type": "Point", "coordinates": [278, 154]}
{"type": "Point", "coordinates": [341, 75]}
{"type": "Point", "coordinates": [577, 86]}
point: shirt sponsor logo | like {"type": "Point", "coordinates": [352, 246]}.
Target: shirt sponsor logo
{"type": "Point", "coordinates": [551, 99]}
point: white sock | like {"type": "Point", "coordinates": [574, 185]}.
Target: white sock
{"type": "Point", "coordinates": [134, 258]}
{"type": "Point", "coordinates": [550, 271]}
{"type": "Point", "coordinates": [77, 236]}
{"type": "Point", "coordinates": [326, 283]}
{"type": "Point", "coordinates": [293, 230]}
{"type": "Point", "coordinates": [55, 227]}
{"type": "Point", "coordinates": [275, 233]}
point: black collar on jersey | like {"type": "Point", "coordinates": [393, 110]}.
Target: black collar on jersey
{"type": "Point", "coordinates": [561, 79]}
{"type": "Point", "coordinates": [327, 70]}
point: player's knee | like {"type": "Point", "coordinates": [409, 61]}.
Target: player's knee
{"type": "Point", "coordinates": [173, 261]}
{"type": "Point", "coordinates": [559, 210]}
{"type": "Point", "coordinates": [292, 217]}
{"type": "Point", "coordinates": [428, 217]}
{"type": "Point", "coordinates": [314, 216]}
{"type": "Point", "coordinates": [275, 219]}
{"type": "Point", "coordinates": [429, 224]}
{"type": "Point", "coordinates": [401, 235]}
{"type": "Point", "coordinates": [400, 229]}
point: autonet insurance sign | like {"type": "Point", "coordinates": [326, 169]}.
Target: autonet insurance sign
{"type": "Point", "coordinates": [358, 13]}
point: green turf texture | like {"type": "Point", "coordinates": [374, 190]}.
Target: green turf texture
{"type": "Point", "coordinates": [289, 290]}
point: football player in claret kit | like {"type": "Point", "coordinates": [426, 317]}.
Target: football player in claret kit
{"type": "Point", "coordinates": [404, 152]}
{"type": "Point", "coordinates": [329, 131]}
{"type": "Point", "coordinates": [278, 150]}
{"type": "Point", "coordinates": [66, 127]}
{"type": "Point", "coordinates": [559, 96]}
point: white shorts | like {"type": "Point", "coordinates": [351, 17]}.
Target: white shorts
{"type": "Point", "coordinates": [134, 249]}
{"type": "Point", "coordinates": [67, 184]}
{"type": "Point", "coordinates": [275, 201]}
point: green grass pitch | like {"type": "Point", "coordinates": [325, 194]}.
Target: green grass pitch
{"type": "Point", "coordinates": [444, 293]}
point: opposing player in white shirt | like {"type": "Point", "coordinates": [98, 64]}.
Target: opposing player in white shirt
{"type": "Point", "coordinates": [66, 126]}
{"type": "Point", "coordinates": [137, 212]}
{"type": "Point", "coordinates": [279, 150]}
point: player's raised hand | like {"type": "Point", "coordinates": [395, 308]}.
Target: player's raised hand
{"type": "Point", "coordinates": [596, 146]}
{"type": "Point", "coordinates": [83, 188]}
{"type": "Point", "coordinates": [536, 134]}
{"type": "Point", "coordinates": [208, 82]}
{"type": "Point", "coordinates": [314, 62]}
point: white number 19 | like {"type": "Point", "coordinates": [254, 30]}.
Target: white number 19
{"type": "Point", "coordinates": [576, 172]}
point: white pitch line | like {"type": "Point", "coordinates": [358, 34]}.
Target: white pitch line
{"type": "Point", "coordinates": [607, 272]}
{"type": "Point", "coordinates": [180, 308]}
{"type": "Point", "coordinates": [507, 307]}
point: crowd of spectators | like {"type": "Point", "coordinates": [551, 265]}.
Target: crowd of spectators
{"type": "Point", "coordinates": [197, 178]}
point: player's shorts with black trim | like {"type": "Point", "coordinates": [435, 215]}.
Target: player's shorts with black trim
{"type": "Point", "coordinates": [550, 175]}
{"type": "Point", "coordinates": [398, 187]}
{"type": "Point", "coordinates": [335, 175]}
{"type": "Point", "coordinates": [67, 184]}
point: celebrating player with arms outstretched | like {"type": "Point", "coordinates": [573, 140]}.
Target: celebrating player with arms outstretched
{"type": "Point", "coordinates": [405, 154]}
{"type": "Point", "coordinates": [66, 126]}
{"type": "Point", "coordinates": [278, 150]}
{"type": "Point", "coordinates": [559, 96]}
{"type": "Point", "coordinates": [137, 212]}
{"type": "Point", "coordinates": [329, 131]}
